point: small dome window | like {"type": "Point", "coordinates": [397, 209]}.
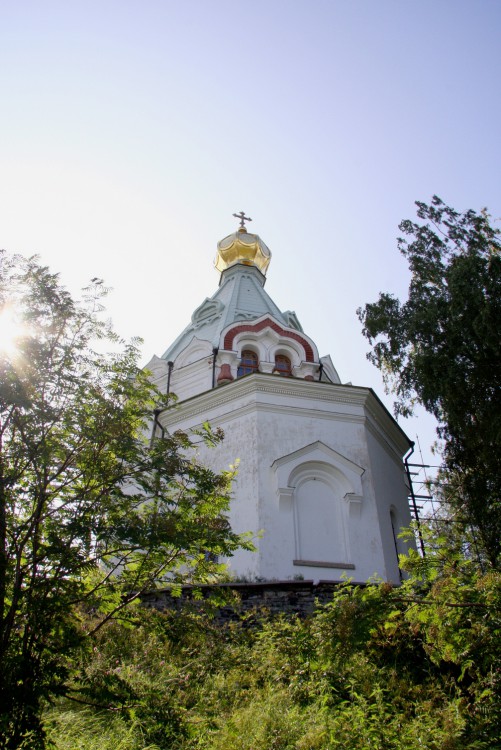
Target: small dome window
{"type": "Point", "coordinates": [248, 363]}
{"type": "Point", "coordinates": [283, 365]}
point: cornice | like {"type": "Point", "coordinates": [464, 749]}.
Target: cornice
{"type": "Point", "coordinates": [263, 383]}
{"type": "Point", "coordinates": [379, 420]}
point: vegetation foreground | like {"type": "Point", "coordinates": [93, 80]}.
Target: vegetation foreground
{"type": "Point", "coordinates": [379, 667]}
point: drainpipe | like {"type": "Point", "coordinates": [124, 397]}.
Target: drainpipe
{"type": "Point", "coordinates": [156, 412]}
{"type": "Point", "coordinates": [413, 497]}
{"type": "Point", "coordinates": [170, 365]}
{"type": "Point", "coordinates": [156, 424]}
{"type": "Point", "coordinates": [214, 355]}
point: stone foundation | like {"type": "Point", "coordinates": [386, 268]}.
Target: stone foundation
{"type": "Point", "coordinates": [271, 597]}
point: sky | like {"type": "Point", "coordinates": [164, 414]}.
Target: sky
{"type": "Point", "coordinates": [132, 131]}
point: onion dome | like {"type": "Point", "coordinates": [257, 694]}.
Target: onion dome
{"type": "Point", "coordinates": [242, 247]}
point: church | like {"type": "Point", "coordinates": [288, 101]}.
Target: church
{"type": "Point", "coordinates": [321, 481]}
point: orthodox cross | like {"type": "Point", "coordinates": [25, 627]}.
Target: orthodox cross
{"type": "Point", "coordinates": [242, 218]}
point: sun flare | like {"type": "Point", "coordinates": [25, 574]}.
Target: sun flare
{"type": "Point", "coordinates": [11, 330]}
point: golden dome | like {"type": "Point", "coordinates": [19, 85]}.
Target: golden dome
{"type": "Point", "coordinates": [242, 247]}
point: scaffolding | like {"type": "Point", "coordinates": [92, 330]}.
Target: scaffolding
{"type": "Point", "coordinates": [422, 504]}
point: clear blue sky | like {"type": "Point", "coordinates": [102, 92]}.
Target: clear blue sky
{"type": "Point", "coordinates": [131, 131]}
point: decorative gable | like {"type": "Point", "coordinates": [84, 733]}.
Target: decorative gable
{"type": "Point", "coordinates": [348, 474]}
{"type": "Point", "coordinates": [292, 320]}
{"type": "Point", "coordinates": [208, 310]}
{"type": "Point", "coordinates": [262, 325]}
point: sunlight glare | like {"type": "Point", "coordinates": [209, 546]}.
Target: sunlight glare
{"type": "Point", "coordinates": [11, 330]}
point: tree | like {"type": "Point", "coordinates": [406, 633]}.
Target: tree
{"type": "Point", "coordinates": [92, 512]}
{"type": "Point", "coordinates": [442, 348]}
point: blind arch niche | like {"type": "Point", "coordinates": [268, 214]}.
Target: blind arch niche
{"type": "Point", "coordinates": [324, 491]}
{"type": "Point", "coordinates": [320, 519]}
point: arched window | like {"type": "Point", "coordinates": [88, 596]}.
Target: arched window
{"type": "Point", "coordinates": [248, 363]}
{"type": "Point", "coordinates": [283, 365]}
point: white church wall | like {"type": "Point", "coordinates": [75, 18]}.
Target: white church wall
{"type": "Point", "coordinates": [267, 419]}
{"type": "Point", "coordinates": [354, 549]}
{"type": "Point", "coordinates": [191, 379]}
{"type": "Point", "coordinates": [391, 493]}
{"type": "Point", "coordinates": [238, 420]}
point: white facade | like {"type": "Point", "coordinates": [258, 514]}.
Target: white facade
{"type": "Point", "coordinates": [320, 479]}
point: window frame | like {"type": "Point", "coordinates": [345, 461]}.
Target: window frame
{"type": "Point", "coordinates": [248, 367]}
{"type": "Point", "coordinates": [284, 373]}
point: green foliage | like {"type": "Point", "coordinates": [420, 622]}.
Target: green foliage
{"type": "Point", "coordinates": [442, 348]}
{"type": "Point", "coordinates": [92, 512]}
{"type": "Point", "coordinates": [408, 668]}
{"type": "Point", "coordinates": [85, 729]}
{"type": "Point", "coordinates": [457, 617]}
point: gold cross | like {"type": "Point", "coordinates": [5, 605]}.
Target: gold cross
{"type": "Point", "coordinates": [242, 218]}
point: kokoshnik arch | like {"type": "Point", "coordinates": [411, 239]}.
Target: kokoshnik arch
{"type": "Point", "coordinates": [321, 478]}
